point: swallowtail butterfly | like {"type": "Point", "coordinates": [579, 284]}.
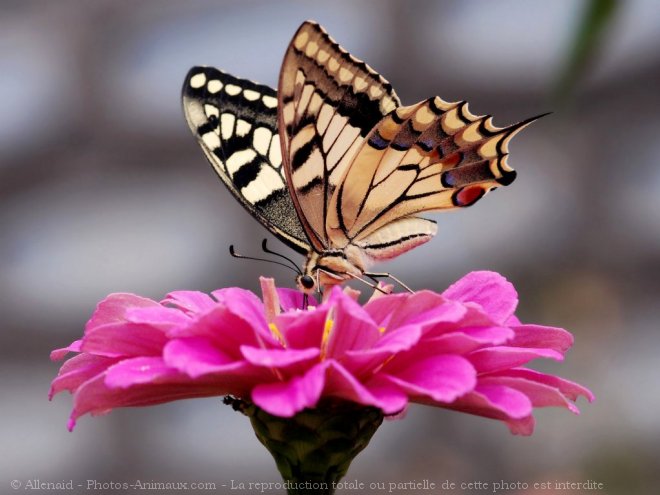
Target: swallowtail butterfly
{"type": "Point", "coordinates": [332, 163]}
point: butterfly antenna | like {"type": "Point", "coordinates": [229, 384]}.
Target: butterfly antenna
{"type": "Point", "coordinates": [264, 247]}
{"type": "Point", "coordinates": [240, 256]}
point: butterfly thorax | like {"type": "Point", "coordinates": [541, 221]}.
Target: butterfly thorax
{"type": "Point", "coordinates": [332, 267]}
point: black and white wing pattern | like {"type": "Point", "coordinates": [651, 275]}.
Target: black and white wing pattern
{"type": "Point", "coordinates": [235, 122]}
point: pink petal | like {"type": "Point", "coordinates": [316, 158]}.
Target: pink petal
{"type": "Point", "coordinates": [418, 307]}
{"type": "Point", "coordinates": [227, 330]}
{"type": "Point", "coordinates": [124, 339]}
{"type": "Point", "coordinates": [541, 395]}
{"type": "Point", "coordinates": [285, 399]}
{"type": "Point", "coordinates": [161, 317]}
{"type": "Point", "coordinates": [243, 303]}
{"type": "Point", "coordinates": [495, 401]}
{"type": "Point", "coordinates": [95, 397]}
{"type": "Point", "coordinates": [235, 378]}
{"type": "Point", "coordinates": [381, 309]}
{"type": "Point", "coordinates": [140, 370]}
{"type": "Point", "coordinates": [351, 293]}
{"type": "Point", "coordinates": [495, 294]}
{"type": "Point", "coordinates": [291, 299]}
{"type": "Point", "coordinates": [59, 354]}
{"type": "Point", "coordinates": [352, 327]}
{"type": "Point", "coordinates": [279, 358]}
{"type": "Point", "coordinates": [342, 384]}
{"type": "Point", "coordinates": [189, 301]}
{"type": "Point", "coordinates": [570, 389]}
{"type": "Point", "coordinates": [384, 289]}
{"type": "Point", "coordinates": [523, 426]}
{"type": "Point", "coordinates": [302, 329]}
{"type": "Point", "coordinates": [391, 399]}
{"type": "Point", "coordinates": [500, 358]}
{"type": "Point", "coordinates": [196, 356]}
{"type": "Point", "coordinates": [442, 378]}
{"type": "Point", "coordinates": [541, 336]}
{"type": "Point", "coordinates": [270, 298]}
{"type": "Point", "coordinates": [361, 362]}
{"type": "Point", "coordinates": [78, 370]}
{"type": "Point", "coordinates": [113, 308]}
{"type": "Point", "coordinates": [465, 340]}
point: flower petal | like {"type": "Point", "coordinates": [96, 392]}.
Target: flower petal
{"type": "Point", "coordinates": [243, 303]}
{"type": "Point", "coordinates": [500, 358]}
{"type": "Point", "coordinates": [495, 401]}
{"type": "Point", "coordinates": [58, 354]}
{"type": "Point", "coordinates": [442, 378]}
{"type": "Point", "coordinates": [363, 361]}
{"type": "Point", "coordinates": [140, 370]}
{"type": "Point", "coordinates": [196, 356]}
{"type": "Point", "coordinates": [541, 336]}
{"type": "Point", "coordinates": [95, 397]}
{"type": "Point", "coordinates": [412, 309]}
{"type": "Point", "coordinates": [78, 370]}
{"type": "Point", "coordinates": [113, 308]}
{"type": "Point", "coordinates": [270, 298]}
{"type": "Point", "coordinates": [291, 299]}
{"type": "Point", "coordinates": [161, 317]}
{"type": "Point", "coordinates": [381, 309]}
{"type": "Point", "coordinates": [285, 399]}
{"type": "Point", "coordinates": [540, 394]}
{"type": "Point", "coordinates": [495, 294]}
{"type": "Point", "coordinates": [124, 339]}
{"type": "Point", "coordinates": [227, 330]}
{"type": "Point", "coordinates": [465, 340]}
{"type": "Point", "coordinates": [352, 327]}
{"type": "Point", "coordinates": [189, 301]}
{"type": "Point", "coordinates": [377, 392]}
{"type": "Point", "coordinates": [570, 389]}
{"type": "Point", "coordinates": [279, 358]}
{"type": "Point", "coordinates": [302, 329]}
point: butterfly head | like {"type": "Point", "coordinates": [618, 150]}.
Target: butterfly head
{"type": "Point", "coordinates": [331, 267]}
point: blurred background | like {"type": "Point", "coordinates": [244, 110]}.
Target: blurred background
{"type": "Point", "coordinates": [104, 189]}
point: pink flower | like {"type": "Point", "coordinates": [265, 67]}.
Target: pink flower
{"type": "Point", "coordinates": [463, 349]}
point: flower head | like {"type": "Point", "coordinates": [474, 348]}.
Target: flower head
{"type": "Point", "coordinates": [463, 349]}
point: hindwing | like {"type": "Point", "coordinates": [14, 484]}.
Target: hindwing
{"type": "Point", "coordinates": [235, 122]}
{"type": "Point", "coordinates": [434, 155]}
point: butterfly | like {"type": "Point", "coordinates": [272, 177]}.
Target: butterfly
{"type": "Point", "coordinates": [332, 163]}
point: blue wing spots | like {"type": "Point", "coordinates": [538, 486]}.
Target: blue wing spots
{"type": "Point", "coordinates": [376, 141]}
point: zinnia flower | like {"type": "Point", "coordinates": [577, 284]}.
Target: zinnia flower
{"type": "Point", "coordinates": [463, 349]}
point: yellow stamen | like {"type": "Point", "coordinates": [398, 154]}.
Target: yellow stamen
{"type": "Point", "coordinates": [327, 330]}
{"type": "Point", "coordinates": [381, 330]}
{"type": "Point", "coordinates": [276, 332]}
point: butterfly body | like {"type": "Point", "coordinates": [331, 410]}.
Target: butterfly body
{"type": "Point", "coordinates": [333, 165]}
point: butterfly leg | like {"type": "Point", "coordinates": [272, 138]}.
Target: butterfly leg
{"type": "Point", "coordinates": [375, 276]}
{"type": "Point", "coordinates": [365, 282]}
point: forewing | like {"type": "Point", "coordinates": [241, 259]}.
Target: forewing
{"type": "Point", "coordinates": [328, 103]}
{"type": "Point", "coordinates": [235, 122]}
{"type": "Point", "coordinates": [433, 155]}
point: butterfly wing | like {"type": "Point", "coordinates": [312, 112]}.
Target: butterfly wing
{"type": "Point", "coordinates": [433, 155]}
{"type": "Point", "coordinates": [235, 123]}
{"type": "Point", "coordinates": [329, 101]}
